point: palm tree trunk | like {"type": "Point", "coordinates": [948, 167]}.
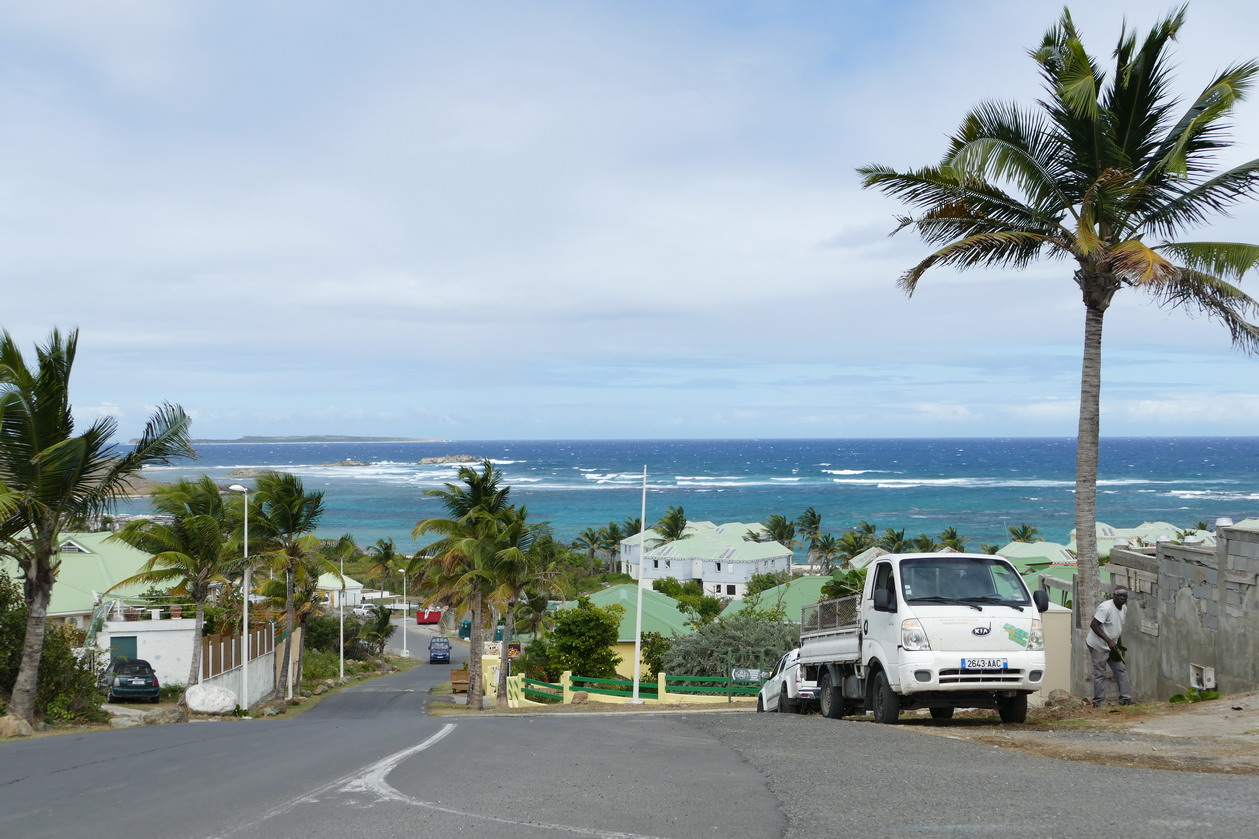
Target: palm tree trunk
{"type": "Point", "coordinates": [281, 687]}
{"type": "Point", "coordinates": [509, 627]}
{"type": "Point", "coordinates": [194, 675]}
{"type": "Point", "coordinates": [476, 644]}
{"type": "Point", "coordinates": [1087, 443]}
{"type": "Point", "coordinates": [38, 593]}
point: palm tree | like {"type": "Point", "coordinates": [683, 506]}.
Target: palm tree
{"type": "Point", "coordinates": [458, 567]}
{"type": "Point", "coordinates": [285, 514]}
{"type": "Point", "coordinates": [671, 527]}
{"type": "Point", "coordinates": [588, 540]}
{"type": "Point", "coordinates": [924, 544]}
{"type": "Point", "coordinates": [191, 551]}
{"type": "Point", "coordinates": [825, 549]}
{"type": "Point", "coordinates": [810, 524]}
{"type": "Point", "coordinates": [852, 544]}
{"type": "Point", "coordinates": [386, 554]}
{"type": "Point", "coordinates": [989, 548]}
{"type": "Point", "coordinates": [1024, 532]}
{"type": "Point", "coordinates": [781, 530]}
{"type": "Point", "coordinates": [1097, 168]}
{"type": "Point", "coordinates": [894, 541]}
{"type": "Point", "coordinates": [610, 537]}
{"type": "Point", "coordinates": [49, 476]}
{"type": "Point", "coordinates": [950, 538]}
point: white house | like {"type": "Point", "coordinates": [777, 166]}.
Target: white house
{"type": "Point", "coordinates": [330, 590]}
{"type": "Point", "coordinates": [719, 556]}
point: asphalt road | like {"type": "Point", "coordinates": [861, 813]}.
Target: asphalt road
{"type": "Point", "coordinates": [369, 762]}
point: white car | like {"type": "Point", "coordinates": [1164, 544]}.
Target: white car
{"type": "Point", "coordinates": [365, 610]}
{"type": "Point", "coordinates": [786, 690]}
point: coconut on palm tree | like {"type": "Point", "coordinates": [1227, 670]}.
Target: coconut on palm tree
{"type": "Point", "coordinates": [49, 476]}
{"type": "Point", "coordinates": [191, 550]}
{"type": "Point", "coordinates": [1107, 171]}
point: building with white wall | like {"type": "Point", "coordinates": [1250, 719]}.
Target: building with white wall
{"type": "Point", "coordinates": [721, 557]}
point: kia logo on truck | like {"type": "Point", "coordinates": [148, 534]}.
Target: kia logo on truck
{"type": "Point", "coordinates": [981, 630]}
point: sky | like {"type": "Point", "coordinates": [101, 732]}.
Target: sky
{"type": "Point", "coordinates": [549, 220]}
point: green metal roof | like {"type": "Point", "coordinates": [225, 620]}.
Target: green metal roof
{"type": "Point", "coordinates": [716, 547]}
{"type": "Point", "coordinates": [660, 611]}
{"type": "Point", "coordinates": [793, 596]}
{"type": "Point", "coordinates": [90, 564]}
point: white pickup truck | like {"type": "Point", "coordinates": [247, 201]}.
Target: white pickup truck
{"type": "Point", "coordinates": [938, 631]}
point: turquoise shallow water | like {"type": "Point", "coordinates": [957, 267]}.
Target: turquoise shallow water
{"type": "Point", "coordinates": [980, 486]}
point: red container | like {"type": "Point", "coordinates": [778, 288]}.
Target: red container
{"type": "Point", "coordinates": [429, 616]}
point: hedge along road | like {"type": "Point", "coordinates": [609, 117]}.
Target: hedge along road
{"type": "Point", "coordinates": [368, 761]}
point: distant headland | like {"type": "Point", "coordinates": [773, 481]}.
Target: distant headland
{"type": "Point", "coordinates": [313, 438]}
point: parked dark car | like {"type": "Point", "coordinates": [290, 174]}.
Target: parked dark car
{"type": "Point", "coordinates": [438, 650]}
{"type": "Point", "coordinates": [132, 679]}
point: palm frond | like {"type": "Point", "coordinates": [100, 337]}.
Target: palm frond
{"type": "Point", "coordinates": [1220, 300]}
{"type": "Point", "coordinates": [999, 248]}
{"type": "Point", "coordinates": [1224, 259]}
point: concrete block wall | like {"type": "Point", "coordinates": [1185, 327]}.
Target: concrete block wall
{"type": "Point", "coordinates": [1191, 607]}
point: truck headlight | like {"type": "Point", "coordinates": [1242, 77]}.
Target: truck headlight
{"type": "Point", "coordinates": [1037, 639]}
{"type": "Point", "coordinates": [913, 636]}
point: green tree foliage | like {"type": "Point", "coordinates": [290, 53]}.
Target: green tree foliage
{"type": "Point", "coordinates": [1107, 170]}
{"type": "Point", "coordinates": [67, 689]}
{"type": "Point", "coordinates": [702, 608]}
{"type": "Point", "coordinates": [671, 527]}
{"type": "Point", "coordinates": [581, 642]}
{"type": "Point", "coordinates": [845, 583]}
{"type": "Point", "coordinates": [749, 638]}
{"type": "Point", "coordinates": [1024, 532]}
{"type": "Point", "coordinates": [654, 648]}
{"type": "Point", "coordinates": [763, 582]}
{"type": "Point", "coordinates": [781, 530]}
{"type": "Point", "coordinates": [950, 538]}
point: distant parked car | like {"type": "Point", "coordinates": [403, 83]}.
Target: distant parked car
{"type": "Point", "coordinates": [365, 610]}
{"type": "Point", "coordinates": [132, 679]}
{"type": "Point", "coordinates": [787, 690]}
{"type": "Point", "coordinates": [438, 650]}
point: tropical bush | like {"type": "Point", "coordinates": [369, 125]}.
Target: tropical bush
{"type": "Point", "coordinates": [581, 642]}
{"type": "Point", "coordinates": [67, 686]}
{"type": "Point", "coordinates": [748, 639]}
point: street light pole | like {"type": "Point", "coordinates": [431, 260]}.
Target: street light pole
{"type": "Point", "coordinates": [341, 603]}
{"type": "Point", "coordinates": [244, 621]}
{"type": "Point", "coordinates": [405, 653]}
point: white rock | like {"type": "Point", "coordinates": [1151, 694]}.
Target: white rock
{"type": "Point", "coordinates": [11, 726]}
{"type": "Point", "coordinates": [210, 699]}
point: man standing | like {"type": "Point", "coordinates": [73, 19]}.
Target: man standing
{"type": "Point", "coordinates": [1104, 648]}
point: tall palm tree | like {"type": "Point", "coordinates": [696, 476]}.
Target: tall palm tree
{"type": "Point", "coordinates": [810, 524]}
{"type": "Point", "coordinates": [610, 537]}
{"type": "Point", "coordinates": [1104, 171]}
{"type": "Point", "coordinates": [1024, 532]}
{"type": "Point", "coordinates": [283, 515]}
{"type": "Point", "coordinates": [950, 538]}
{"type": "Point", "coordinates": [192, 550]}
{"type": "Point", "coordinates": [894, 541]}
{"type": "Point", "coordinates": [458, 566]}
{"type": "Point", "coordinates": [49, 475]}
{"type": "Point", "coordinates": [924, 544]}
{"type": "Point", "coordinates": [852, 544]}
{"type": "Point", "coordinates": [671, 527]}
{"type": "Point", "coordinates": [781, 530]}
{"type": "Point", "coordinates": [588, 540]}
{"type": "Point", "coordinates": [825, 549]}
{"type": "Point", "coordinates": [386, 557]}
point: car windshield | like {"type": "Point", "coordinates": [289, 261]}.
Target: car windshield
{"type": "Point", "coordinates": [439, 642]}
{"type": "Point", "coordinates": [133, 670]}
{"type": "Point", "coordinates": [962, 580]}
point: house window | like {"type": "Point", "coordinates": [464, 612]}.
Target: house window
{"type": "Point", "coordinates": [730, 589]}
{"type": "Point", "coordinates": [718, 566]}
{"type": "Point", "coordinates": [655, 563]}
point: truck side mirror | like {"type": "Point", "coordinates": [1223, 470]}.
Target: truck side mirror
{"type": "Point", "coordinates": [1041, 598]}
{"type": "Point", "coordinates": [883, 601]}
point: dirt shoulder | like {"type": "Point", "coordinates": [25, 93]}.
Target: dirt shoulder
{"type": "Point", "coordinates": [1219, 735]}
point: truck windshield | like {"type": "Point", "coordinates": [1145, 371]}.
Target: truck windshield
{"type": "Point", "coordinates": [971, 580]}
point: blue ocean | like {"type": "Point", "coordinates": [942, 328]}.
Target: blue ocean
{"type": "Point", "coordinates": [979, 486]}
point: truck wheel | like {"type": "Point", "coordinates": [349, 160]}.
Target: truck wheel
{"type": "Point", "coordinates": [830, 702]}
{"type": "Point", "coordinates": [1013, 709]}
{"type": "Point", "coordinates": [887, 705]}
{"type": "Point", "coordinates": [760, 705]}
{"type": "Point", "coordinates": [785, 705]}
{"type": "Point", "coordinates": [941, 713]}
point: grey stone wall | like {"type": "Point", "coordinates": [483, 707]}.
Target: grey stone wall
{"type": "Point", "coordinates": [1190, 609]}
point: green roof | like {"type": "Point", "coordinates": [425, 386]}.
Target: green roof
{"type": "Point", "coordinates": [711, 546]}
{"type": "Point", "coordinates": [660, 611]}
{"type": "Point", "coordinates": [329, 582]}
{"type": "Point", "coordinates": [793, 596]}
{"type": "Point", "coordinates": [90, 564]}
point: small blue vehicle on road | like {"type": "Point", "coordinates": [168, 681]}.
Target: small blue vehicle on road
{"type": "Point", "coordinates": [438, 650]}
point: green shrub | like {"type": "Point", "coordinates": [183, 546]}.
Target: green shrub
{"type": "Point", "coordinates": [581, 642]}
{"type": "Point", "coordinates": [748, 639]}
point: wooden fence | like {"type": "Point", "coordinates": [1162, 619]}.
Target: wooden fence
{"type": "Point", "coordinates": [220, 653]}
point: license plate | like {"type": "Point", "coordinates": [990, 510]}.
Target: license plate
{"type": "Point", "coordinates": [139, 681]}
{"type": "Point", "coordinates": [984, 664]}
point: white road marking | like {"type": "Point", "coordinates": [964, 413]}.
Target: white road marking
{"type": "Point", "coordinates": [372, 781]}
